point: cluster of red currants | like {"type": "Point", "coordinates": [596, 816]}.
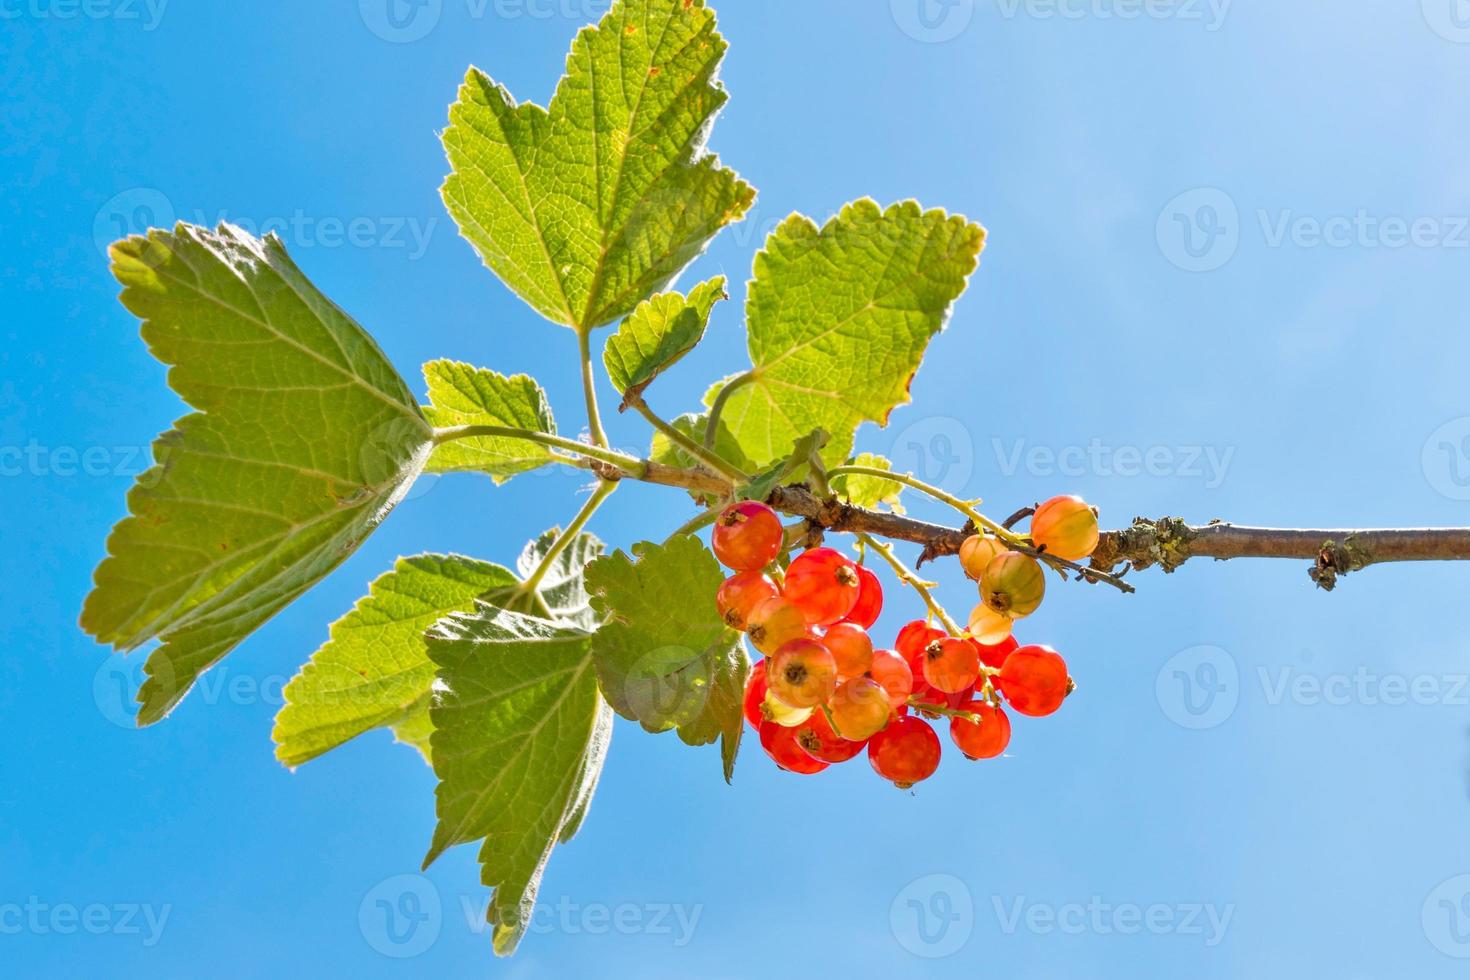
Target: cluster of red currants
{"type": "Point", "coordinates": [823, 694]}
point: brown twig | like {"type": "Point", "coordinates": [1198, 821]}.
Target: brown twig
{"type": "Point", "coordinates": [1168, 542]}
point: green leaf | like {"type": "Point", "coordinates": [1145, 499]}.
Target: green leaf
{"type": "Point", "coordinates": [663, 450]}
{"type": "Point", "coordinates": [375, 668]}
{"type": "Point", "coordinates": [664, 656]}
{"type": "Point", "coordinates": [415, 729]}
{"type": "Point", "coordinates": [839, 318]}
{"type": "Point", "coordinates": [520, 735]}
{"type": "Point", "coordinates": [562, 596]}
{"type": "Point", "coordinates": [869, 492]}
{"type": "Point", "coordinates": [658, 333]}
{"type": "Point", "coordinates": [303, 440]}
{"type": "Point", "coordinates": [463, 395]}
{"type": "Point", "coordinates": [593, 204]}
{"type": "Point", "coordinates": [799, 462]}
{"type": "Point", "coordinates": [375, 671]}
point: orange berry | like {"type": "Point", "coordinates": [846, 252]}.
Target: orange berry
{"type": "Point", "coordinates": [1065, 527]}
{"type": "Point", "coordinates": [1013, 584]}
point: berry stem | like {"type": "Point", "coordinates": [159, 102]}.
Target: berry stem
{"type": "Point", "coordinates": [700, 521]}
{"type": "Point", "coordinates": [796, 534]}
{"type": "Point", "coordinates": [909, 578]}
{"type": "Point", "coordinates": [706, 457]}
{"type": "Point", "coordinates": [532, 585]}
{"type": "Point", "coordinates": [944, 711]}
{"type": "Point", "coordinates": [631, 465]}
{"type": "Point", "coordinates": [717, 408]}
{"type": "Point", "coordinates": [964, 507]}
{"type": "Point", "coordinates": [589, 388]}
{"type": "Point", "coordinates": [1012, 540]}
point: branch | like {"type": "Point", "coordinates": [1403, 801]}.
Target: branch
{"type": "Point", "coordinates": [1168, 542]}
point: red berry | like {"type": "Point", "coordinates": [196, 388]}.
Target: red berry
{"type": "Point", "coordinates": [802, 673]}
{"type": "Point", "coordinates": [994, 654]}
{"type": "Point", "coordinates": [906, 752]}
{"type": "Point", "coordinates": [893, 675]}
{"type": "Point", "coordinates": [747, 536]}
{"type": "Point", "coordinates": [913, 644]}
{"type": "Point", "coordinates": [986, 740]}
{"type": "Point", "coordinates": [761, 707]}
{"type": "Point", "coordinates": [922, 690]}
{"type": "Point", "coordinates": [781, 745]}
{"type": "Point", "coordinates": [820, 740]}
{"type": "Point", "coordinates": [851, 647]}
{"type": "Point", "coordinates": [870, 599]}
{"type": "Point", "coordinates": [1065, 527]}
{"type": "Point", "coordinates": [860, 709]}
{"type": "Point", "coordinates": [740, 594]}
{"type": "Point", "coordinates": [774, 623]}
{"type": "Point", "coordinates": [755, 693]}
{"type": "Point", "coordinates": [915, 638]}
{"type": "Point", "coordinates": [1034, 680]}
{"type": "Point", "coordinates": [951, 665]}
{"type": "Point", "coordinates": [824, 584]}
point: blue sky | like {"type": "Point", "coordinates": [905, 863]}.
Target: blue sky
{"type": "Point", "coordinates": [1225, 279]}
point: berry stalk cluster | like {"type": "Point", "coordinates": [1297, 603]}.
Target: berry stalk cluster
{"type": "Point", "coordinates": [823, 694]}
